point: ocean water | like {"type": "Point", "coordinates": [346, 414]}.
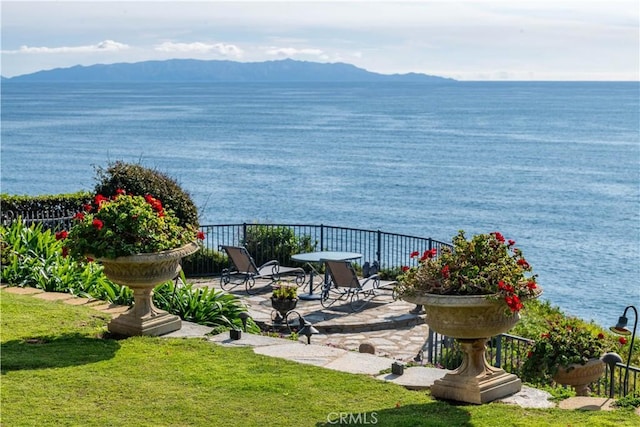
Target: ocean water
{"type": "Point", "coordinates": [554, 166]}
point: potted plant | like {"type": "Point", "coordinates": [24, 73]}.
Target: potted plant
{"type": "Point", "coordinates": [283, 299]}
{"type": "Point", "coordinates": [471, 292]}
{"type": "Point", "coordinates": [140, 244]}
{"type": "Point", "coordinates": [568, 352]}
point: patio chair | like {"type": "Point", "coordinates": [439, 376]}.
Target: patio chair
{"type": "Point", "coordinates": [344, 284]}
{"type": "Point", "coordinates": [244, 271]}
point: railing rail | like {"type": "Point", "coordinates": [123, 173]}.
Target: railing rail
{"type": "Point", "coordinates": [389, 250]}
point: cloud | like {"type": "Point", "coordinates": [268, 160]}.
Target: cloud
{"type": "Point", "coordinates": [198, 47]}
{"type": "Point", "coordinates": [292, 51]}
{"type": "Point", "coordinates": [104, 46]}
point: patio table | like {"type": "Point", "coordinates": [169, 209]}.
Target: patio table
{"type": "Point", "coordinates": [311, 258]}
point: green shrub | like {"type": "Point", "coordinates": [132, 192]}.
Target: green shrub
{"type": "Point", "coordinates": [32, 256]}
{"type": "Point", "coordinates": [267, 242]}
{"type": "Point", "coordinates": [205, 259]}
{"type": "Point", "coordinates": [139, 180]}
{"type": "Point", "coordinates": [204, 306]}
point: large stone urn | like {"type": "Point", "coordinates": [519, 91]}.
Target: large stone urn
{"type": "Point", "coordinates": [142, 273]}
{"type": "Point", "coordinates": [580, 376]}
{"type": "Point", "coordinates": [471, 320]}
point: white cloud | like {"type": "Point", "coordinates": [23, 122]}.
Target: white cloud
{"type": "Point", "coordinates": [292, 51]}
{"type": "Point", "coordinates": [198, 47]}
{"type": "Point", "coordinates": [104, 46]}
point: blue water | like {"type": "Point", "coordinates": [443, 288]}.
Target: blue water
{"type": "Point", "coordinates": [555, 166]}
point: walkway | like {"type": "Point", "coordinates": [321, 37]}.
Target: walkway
{"type": "Point", "coordinates": [404, 337]}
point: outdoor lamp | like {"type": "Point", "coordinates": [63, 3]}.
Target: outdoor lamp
{"type": "Point", "coordinates": [621, 329]}
{"type": "Point", "coordinates": [243, 317]}
{"type": "Point", "coordinates": [611, 359]}
{"type": "Point", "coordinates": [306, 328]}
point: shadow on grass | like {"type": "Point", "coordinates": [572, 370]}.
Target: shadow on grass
{"type": "Point", "coordinates": [434, 414]}
{"type": "Point", "coordinates": [55, 352]}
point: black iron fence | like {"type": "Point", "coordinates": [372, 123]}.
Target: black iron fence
{"type": "Point", "coordinates": [389, 250]}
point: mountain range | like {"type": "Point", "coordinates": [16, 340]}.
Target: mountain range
{"type": "Point", "coordinates": [192, 70]}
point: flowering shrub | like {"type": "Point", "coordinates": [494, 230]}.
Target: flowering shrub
{"type": "Point", "coordinates": [567, 341]}
{"type": "Point", "coordinates": [485, 265]}
{"type": "Point", "coordinates": [125, 225]}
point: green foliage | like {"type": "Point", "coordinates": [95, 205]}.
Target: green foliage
{"type": "Point", "coordinates": [126, 225]}
{"type": "Point", "coordinates": [32, 256]}
{"type": "Point", "coordinates": [204, 306]}
{"type": "Point", "coordinates": [566, 341]}
{"type": "Point", "coordinates": [137, 179]}
{"type": "Point", "coordinates": [266, 242]}
{"type": "Point", "coordinates": [284, 291]}
{"type": "Point", "coordinates": [631, 400]}
{"type": "Point", "coordinates": [206, 259]}
{"type": "Point", "coordinates": [485, 265]}
{"type": "Point", "coordinates": [60, 205]}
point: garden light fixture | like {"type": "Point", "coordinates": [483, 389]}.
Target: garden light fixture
{"type": "Point", "coordinates": [243, 317]}
{"type": "Point", "coordinates": [611, 359]}
{"type": "Point", "coordinates": [306, 328]}
{"type": "Point", "coordinates": [621, 329]}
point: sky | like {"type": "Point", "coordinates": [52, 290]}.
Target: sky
{"type": "Point", "coordinates": [465, 40]}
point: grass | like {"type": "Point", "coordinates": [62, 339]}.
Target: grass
{"type": "Point", "coordinates": [58, 369]}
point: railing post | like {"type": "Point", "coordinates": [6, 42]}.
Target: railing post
{"type": "Point", "coordinates": [430, 345]}
{"type": "Point", "coordinates": [498, 363]}
{"type": "Point", "coordinates": [321, 237]}
{"type": "Point", "coordinates": [379, 248]}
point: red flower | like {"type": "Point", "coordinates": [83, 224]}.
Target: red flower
{"type": "Point", "coordinates": [622, 340]}
{"type": "Point", "coordinates": [405, 268]}
{"type": "Point", "coordinates": [512, 242]}
{"type": "Point", "coordinates": [523, 262]}
{"type": "Point", "coordinates": [65, 252]}
{"type": "Point", "coordinates": [445, 271]}
{"type": "Point", "coordinates": [100, 199]}
{"type": "Point", "coordinates": [89, 259]}
{"type": "Point", "coordinates": [529, 354]}
{"type": "Point", "coordinates": [429, 254]}
{"type": "Point", "coordinates": [600, 336]}
{"type": "Point", "coordinates": [514, 303]}
{"type": "Point", "coordinates": [120, 192]}
{"type": "Point", "coordinates": [79, 216]}
{"type": "Point", "coordinates": [414, 254]}
{"type": "Point", "coordinates": [531, 285]}
{"type": "Point", "coordinates": [61, 235]}
{"type": "Point", "coordinates": [98, 224]}
{"type": "Point", "coordinates": [499, 236]}
{"type": "Point", "coordinates": [87, 207]}
{"type": "Point", "coordinates": [200, 235]}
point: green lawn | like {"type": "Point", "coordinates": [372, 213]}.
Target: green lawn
{"type": "Point", "coordinates": [58, 370]}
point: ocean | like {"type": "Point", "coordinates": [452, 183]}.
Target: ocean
{"type": "Point", "coordinates": [552, 165]}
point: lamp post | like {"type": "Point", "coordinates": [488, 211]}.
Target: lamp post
{"type": "Point", "coordinates": [306, 328]}
{"type": "Point", "coordinates": [611, 359]}
{"type": "Point", "coordinates": [243, 317]}
{"type": "Point", "coordinates": [621, 329]}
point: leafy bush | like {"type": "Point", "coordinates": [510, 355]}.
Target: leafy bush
{"type": "Point", "coordinates": [267, 242]}
{"type": "Point", "coordinates": [137, 179]}
{"type": "Point", "coordinates": [205, 306]}
{"type": "Point", "coordinates": [32, 256]}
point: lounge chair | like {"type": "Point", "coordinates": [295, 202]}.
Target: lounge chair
{"type": "Point", "coordinates": [244, 270]}
{"type": "Point", "coordinates": [345, 285]}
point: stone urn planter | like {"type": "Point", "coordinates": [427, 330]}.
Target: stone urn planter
{"type": "Point", "coordinates": [580, 376]}
{"type": "Point", "coordinates": [282, 307]}
{"type": "Point", "coordinates": [471, 320]}
{"type": "Point", "coordinates": [142, 273]}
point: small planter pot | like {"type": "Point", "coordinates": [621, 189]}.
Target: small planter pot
{"type": "Point", "coordinates": [580, 376]}
{"type": "Point", "coordinates": [282, 307]}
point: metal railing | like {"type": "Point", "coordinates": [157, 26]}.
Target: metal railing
{"type": "Point", "coordinates": [389, 250]}
{"type": "Point", "coordinates": [509, 353]}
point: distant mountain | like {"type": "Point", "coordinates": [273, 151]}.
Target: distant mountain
{"type": "Point", "coordinates": [191, 70]}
